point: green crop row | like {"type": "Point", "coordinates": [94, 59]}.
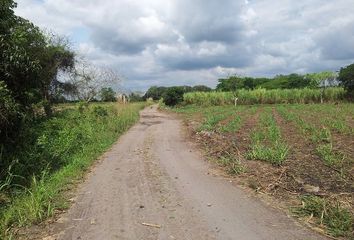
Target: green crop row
{"type": "Point", "coordinates": [320, 136]}
{"type": "Point", "coordinates": [267, 143]}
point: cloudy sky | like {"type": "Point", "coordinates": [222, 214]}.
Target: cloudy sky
{"type": "Point", "coordinates": [176, 42]}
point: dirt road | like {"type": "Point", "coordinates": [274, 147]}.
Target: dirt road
{"type": "Point", "coordinates": [153, 184]}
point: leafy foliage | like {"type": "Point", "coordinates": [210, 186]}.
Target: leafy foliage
{"type": "Point", "coordinates": [157, 93]}
{"type": "Point", "coordinates": [346, 77]}
{"type": "Point", "coordinates": [8, 108]}
{"type": "Point", "coordinates": [234, 83]}
{"type": "Point", "coordinates": [29, 65]}
{"type": "Point", "coordinates": [108, 95]}
{"type": "Point", "coordinates": [136, 97]}
{"type": "Point", "coordinates": [173, 96]}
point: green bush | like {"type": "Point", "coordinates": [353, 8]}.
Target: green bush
{"type": "Point", "coordinates": [9, 109]}
{"type": "Point", "coordinates": [99, 111]}
{"type": "Point", "coordinates": [173, 96]}
{"type": "Point", "coordinates": [346, 77]}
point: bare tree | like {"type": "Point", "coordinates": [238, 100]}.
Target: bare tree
{"type": "Point", "coordinates": [89, 79]}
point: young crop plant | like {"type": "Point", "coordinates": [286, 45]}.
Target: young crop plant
{"type": "Point", "coordinates": [267, 143]}
{"type": "Point", "coordinates": [213, 116]}
{"type": "Point", "coordinates": [320, 136]}
{"type": "Point", "coordinates": [233, 125]}
{"type": "Point", "coordinates": [330, 156]}
{"type": "Point", "coordinates": [329, 115]}
{"type": "Point", "coordinates": [237, 120]}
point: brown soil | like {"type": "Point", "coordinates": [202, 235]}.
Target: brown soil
{"type": "Point", "coordinates": [288, 181]}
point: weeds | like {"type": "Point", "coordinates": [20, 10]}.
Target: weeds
{"type": "Point", "coordinates": [232, 164]}
{"type": "Point", "coordinates": [338, 220]}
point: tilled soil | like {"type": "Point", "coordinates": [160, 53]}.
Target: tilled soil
{"type": "Point", "coordinates": [154, 184]}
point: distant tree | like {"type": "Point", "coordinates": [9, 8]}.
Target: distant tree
{"type": "Point", "coordinates": [108, 94]}
{"type": "Point", "coordinates": [321, 79]}
{"type": "Point", "coordinates": [136, 97]}
{"type": "Point", "coordinates": [201, 88]}
{"type": "Point", "coordinates": [155, 92]}
{"type": "Point", "coordinates": [89, 79]}
{"type": "Point", "coordinates": [232, 84]}
{"type": "Point", "coordinates": [346, 77]}
{"type": "Point", "coordinates": [173, 96]}
{"type": "Point", "coordinates": [249, 83]}
{"type": "Point", "coordinates": [296, 81]}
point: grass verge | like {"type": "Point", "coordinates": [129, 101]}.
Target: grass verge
{"type": "Point", "coordinates": [64, 147]}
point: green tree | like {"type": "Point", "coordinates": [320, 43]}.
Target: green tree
{"type": "Point", "coordinates": [321, 78]}
{"type": "Point", "coordinates": [136, 97]}
{"type": "Point", "coordinates": [346, 77]}
{"type": "Point", "coordinates": [107, 94]}
{"type": "Point", "coordinates": [201, 88]}
{"type": "Point", "coordinates": [31, 61]}
{"type": "Point", "coordinates": [155, 92]}
{"type": "Point", "coordinates": [173, 96]}
{"type": "Point", "coordinates": [232, 84]}
{"type": "Point", "coordinates": [296, 81]}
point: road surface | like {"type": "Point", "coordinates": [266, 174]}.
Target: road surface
{"type": "Point", "coordinates": [153, 184]}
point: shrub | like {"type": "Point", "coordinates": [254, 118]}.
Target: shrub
{"type": "Point", "coordinates": [8, 107]}
{"type": "Point", "coordinates": [173, 96]}
{"type": "Point", "coordinates": [346, 77]}
{"type": "Point", "coordinates": [100, 111]}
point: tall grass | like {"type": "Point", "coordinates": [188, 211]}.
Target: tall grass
{"type": "Point", "coordinates": [59, 151]}
{"type": "Point", "coordinates": [263, 96]}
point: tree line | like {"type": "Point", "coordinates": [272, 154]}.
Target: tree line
{"type": "Point", "coordinates": [344, 78]}
{"type": "Point", "coordinates": [290, 81]}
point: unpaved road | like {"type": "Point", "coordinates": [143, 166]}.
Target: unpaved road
{"type": "Point", "coordinates": [154, 175]}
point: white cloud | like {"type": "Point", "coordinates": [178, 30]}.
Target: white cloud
{"type": "Point", "coordinates": [181, 41]}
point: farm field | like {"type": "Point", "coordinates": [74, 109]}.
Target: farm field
{"type": "Point", "coordinates": [301, 154]}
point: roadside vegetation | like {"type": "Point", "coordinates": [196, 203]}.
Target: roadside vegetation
{"type": "Point", "coordinates": [50, 154]}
